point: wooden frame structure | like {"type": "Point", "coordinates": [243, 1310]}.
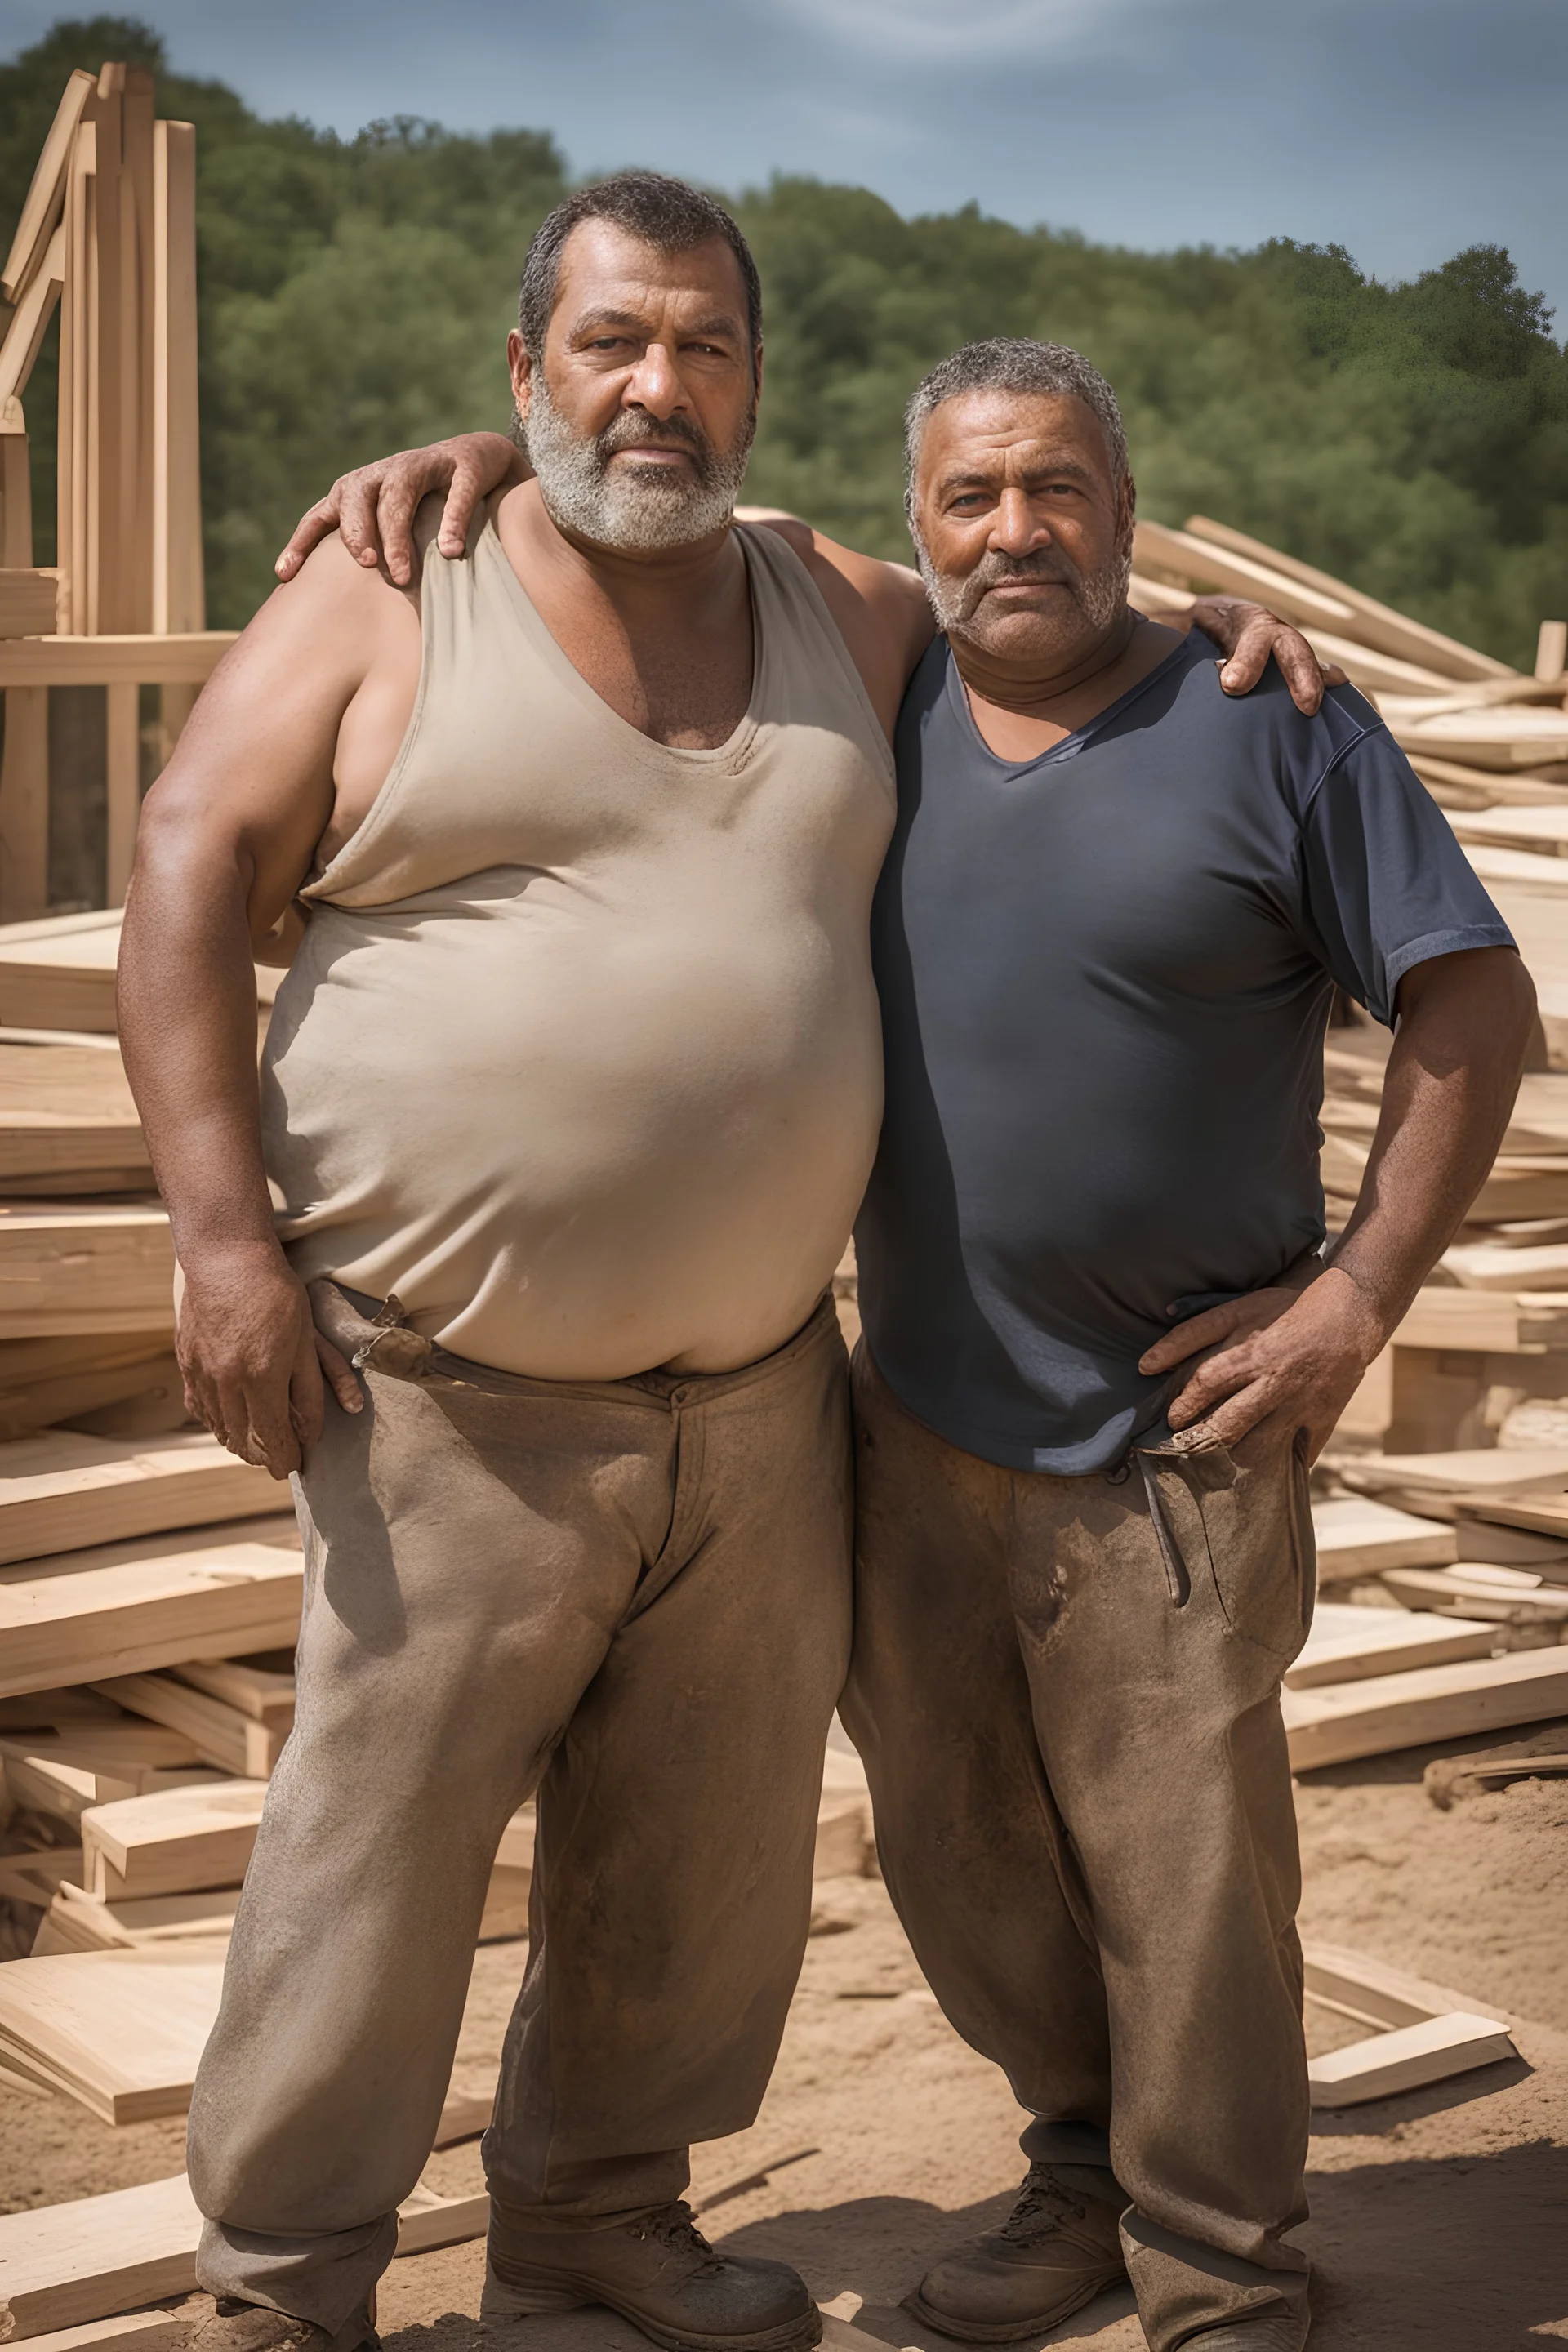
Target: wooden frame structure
{"type": "Point", "coordinates": [108, 231]}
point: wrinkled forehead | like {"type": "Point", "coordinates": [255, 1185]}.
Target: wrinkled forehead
{"type": "Point", "coordinates": [607, 271]}
{"type": "Point", "coordinates": [993, 435]}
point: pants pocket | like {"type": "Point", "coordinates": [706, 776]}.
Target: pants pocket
{"type": "Point", "coordinates": [1255, 1503]}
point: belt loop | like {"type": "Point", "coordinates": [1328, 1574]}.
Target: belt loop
{"type": "Point", "coordinates": [1176, 1575]}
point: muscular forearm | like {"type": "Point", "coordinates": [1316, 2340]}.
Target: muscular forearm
{"type": "Point", "coordinates": [187, 1025]}
{"type": "Point", "coordinates": [1452, 1077]}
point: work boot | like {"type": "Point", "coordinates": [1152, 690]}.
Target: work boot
{"type": "Point", "coordinates": [1056, 2251]}
{"type": "Point", "coordinates": [236, 2326]}
{"type": "Point", "coordinates": [660, 2273]}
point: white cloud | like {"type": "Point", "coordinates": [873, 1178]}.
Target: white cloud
{"type": "Point", "coordinates": [982, 31]}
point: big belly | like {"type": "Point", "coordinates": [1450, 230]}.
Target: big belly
{"type": "Point", "coordinates": [574, 1146]}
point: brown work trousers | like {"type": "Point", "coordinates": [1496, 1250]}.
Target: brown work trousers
{"type": "Point", "coordinates": [633, 1596]}
{"type": "Point", "coordinates": [1067, 1694]}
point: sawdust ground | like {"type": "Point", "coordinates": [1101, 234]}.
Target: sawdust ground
{"type": "Point", "coordinates": [1437, 2219]}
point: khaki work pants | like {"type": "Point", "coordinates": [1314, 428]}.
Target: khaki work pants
{"type": "Point", "coordinates": [634, 1597]}
{"type": "Point", "coordinates": [1069, 1710]}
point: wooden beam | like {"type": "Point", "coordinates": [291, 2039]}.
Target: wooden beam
{"type": "Point", "coordinates": [45, 199]}
{"type": "Point", "coordinates": [1356, 1538]}
{"type": "Point", "coordinates": [1432, 1484]}
{"type": "Point", "coordinates": [76, 1921]}
{"type": "Point", "coordinates": [60, 1267]}
{"type": "Point", "coordinates": [60, 1491]}
{"type": "Point", "coordinates": [1552, 650]}
{"type": "Point", "coordinates": [61, 2265]}
{"type": "Point", "coordinates": [1407, 2059]}
{"type": "Point", "coordinates": [123, 2032]}
{"type": "Point", "coordinates": [120, 1608]}
{"type": "Point", "coordinates": [179, 600]}
{"type": "Point", "coordinates": [1376, 624]}
{"type": "Point", "coordinates": [1342, 1722]}
{"type": "Point", "coordinates": [1351, 1645]}
{"type": "Point", "coordinates": [218, 1733]}
{"type": "Point", "coordinates": [183, 658]}
{"type": "Point", "coordinates": [175, 1843]}
{"type": "Point", "coordinates": [29, 322]}
{"type": "Point", "coordinates": [124, 786]}
{"type": "Point", "coordinates": [264, 1695]}
{"type": "Point", "coordinates": [24, 805]}
{"type": "Point", "coordinates": [28, 598]}
{"type": "Point", "coordinates": [134, 2331]}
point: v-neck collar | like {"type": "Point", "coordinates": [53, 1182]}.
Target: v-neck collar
{"type": "Point", "coordinates": [1080, 737]}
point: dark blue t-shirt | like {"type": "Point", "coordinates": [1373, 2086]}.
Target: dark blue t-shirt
{"type": "Point", "coordinates": [1105, 975]}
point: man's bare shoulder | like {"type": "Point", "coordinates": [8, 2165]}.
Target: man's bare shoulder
{"type": "Point", "coordinates": [880, 607]}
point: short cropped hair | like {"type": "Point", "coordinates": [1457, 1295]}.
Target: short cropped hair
{"type": "Point", "coordinates": [663, 213]}
{"type": "Point", "coordinates": [1012, 363]}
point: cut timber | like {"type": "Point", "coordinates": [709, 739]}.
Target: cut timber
{"type": "Point", "coordinates": [38, 1877]}
{"type": "Point", "coordinates": [1497, 1265]}
{"type": "Point", "coordinates": [1357, 1538]}
{"type": "Point", "coordinates": [45, 199]}
{"type": "Point", "coordinates": [46, 1382]}
{"type": "Point", "coordinates": [120, 2031]}
{"type": "Point", "coordinates": [78, 1922]}
{"type": "Point", "coordinates": [1432, 1483]}
{"type": "Point", "coordinates": [1479, 1590]}
{"type": "Point", "coordinates": [218, 1733]}
{"type": "Point", "coordinates": [88, 1268]}
{"type": "Point", "coordinates": [845, 1843]}
{"type": "Point", "coordinates": [1452, 1777]}
{"type": "Point", "coordinates": [60, 1491]}
{"type": "Point", "coordinates": [266, 1693]}
{"type": "Point", "coordinates": [134, 2331]}
{"type": "Point", "coordinates": [61, 2265]}
{"type": "Point", "coordinates": [68, 1119]}
{"type": "Point", "coordinates": [27, 603]}
{"type": "Point", "coordinates": [120, 1608]}
{"type": "Point", "coordinates": [1346, 1720]}
{"type": "Point", "coordinates": [1482, 1536]}
{"type": "Point", "coordinates": [1370, 1991]}
{"type": "Point", "coordinates": [1408, 2058]}
{"type": "Point", "coordinates": [1542, 829]}
{"type": "Point", "coordinates": [1349, 1644]}
{"type": "Point", "coordinates": [183, 657]}
{"type": "Point", "coordinates": [1488, 1322]}
{"type": "Point", "coordinates": [61, 1772]}
{"type": "Point", "coordinates": [58, 972]}
{"type": "Point", "coordinates": [428, 2220]}
{"type": "Point", "coordinates": [1542, 1514]}
{"type": "Point", "coordinates": [1375, 625]}
{"type": "Point", "coordinates": [176, 1843]}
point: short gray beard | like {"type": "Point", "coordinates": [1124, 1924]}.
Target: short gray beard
{"type": "Point", "coordinates": [638, 508]}
{"type": "Point", "coordinates": [954, 600]}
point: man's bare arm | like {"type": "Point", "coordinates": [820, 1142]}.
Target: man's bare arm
{"type": "Point", "coordinates": [373, 510]}
{"type": "Point", "coordinates": [1293, 1354]}
{"type": "Point", "coordinates": [226, 836]}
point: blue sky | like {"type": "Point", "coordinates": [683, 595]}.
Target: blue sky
{"type": "Point", "coordinates": [1402, 129]}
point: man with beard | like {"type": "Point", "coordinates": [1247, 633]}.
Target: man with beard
{"type": "Point", "coordinates": [1104, 1342]}
{"type": "Point", "coordinates": [568, 1099]}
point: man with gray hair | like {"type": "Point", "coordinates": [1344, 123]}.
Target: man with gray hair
{"type": "Point", "coordinates": [1104, 1341]}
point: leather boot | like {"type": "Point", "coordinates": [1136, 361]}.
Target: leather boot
{"type": "Point", "coordinates": [1057, 2249]}
{"type": "Point", "coordinates": [236, 2326]}
{"type": "Point", "coordinates": [659, 2272]}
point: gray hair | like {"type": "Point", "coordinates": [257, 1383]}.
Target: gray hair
{"type": "Point", "coordinates": [1012, 363]}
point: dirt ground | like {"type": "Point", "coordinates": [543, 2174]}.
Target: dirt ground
{"type": "Point", "coordinates": [1439, 2220]}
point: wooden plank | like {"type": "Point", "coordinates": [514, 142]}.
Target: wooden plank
{"type": "Point", "coordinates": [30, 321]}
{"type": "Point", "coordinates": [124, 786]}
{"type": "Point", "coordinates": [428, 2220]}
{"type": "Point", "coordinates": [1478, 1590]}
{"type": "Point", "coordinates": [177, 1841]}
{"type": "Point", "coordinates": [76, 1921]}
{"type": "Point", "coordinates": [1547, 1515]}
{"type": "Point", "coordinates": [1376, 624]}
{"type": "Point", "coordinates": [27, 600]}
{"type": "Point", "coordinates": [45, 199]}
{"type": "Point", "coordinates": [1361, 1987]}
{"type": "Point", "coordinates": [1185, 560]}
{"type": "Point", "coordinates": [1501, 739]}
{"type": "Point", "coordinates": [71, 1376]}
{"type": "Point", "coordinates": [1552, 650]}
{"type": "Point", "coordinates": [1407, 2059]}
{"type": "Point", "coordinates": [1529, 827]}
{"type": "Point", "coordinates": [1379, 1642]}
{"type": "Point", "coordinates": [61, 1491]}
{"type": "Point", "coordinates": [62, 2265]}
{"type": "Point", "coordinates": [1428, 1484]}
{"type": "Point", "coordinates": [184, 657]}
{"type": "Point", "coordinates": [1497, 1265]}
{"type": "Point", "coordinates": [1482, 1536]}
{"type": "Point", "coordinates": [264, 1693]}
{"type": "Point", "coordinates": [123, 2032]}
{"type": "Point", "coordinates": [179, 598]}
{"type": "Point", "coordinates": [75, 353]}
{"type": "Point", "coordinates": [24, 804]}
{"type": "Point", "coordinates": [36, 1877]}
{"type": "Point", "coordinates": [118, 1608]}
{"type": "Point", "coordinates": [218, 1733]}
{"type": "Point", "coordinates": [1356, 1539]}
{"type": "Point", "coordinates": [134, 2331]}
{"type": "Point", "coordinates": [1344, 1721]}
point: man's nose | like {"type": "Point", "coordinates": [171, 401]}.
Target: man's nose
{"type": "Point", "coordinates": [653, 383]}
{"type": "Point", "coordinates": [1018, 530]}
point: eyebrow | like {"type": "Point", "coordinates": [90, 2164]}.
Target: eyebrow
{"type": "Point", "coordinates": [1068, 468]}
{"type": "Point", "coordinates": [717, 324]}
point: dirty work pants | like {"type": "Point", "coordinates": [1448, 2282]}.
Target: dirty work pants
{"type": "Point", "coordinates": [1070, 1715]}
{"type": "Point", "coordinates": [634, 1597]}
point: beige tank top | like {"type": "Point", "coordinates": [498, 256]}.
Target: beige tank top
{"type": "Point", "coordinates": [580, 1055]}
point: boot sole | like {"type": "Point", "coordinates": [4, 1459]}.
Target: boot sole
{"type": "Point", "coordinates": [501, 2300]}
{"type": "Point", "coordinates": [1009, 2331]}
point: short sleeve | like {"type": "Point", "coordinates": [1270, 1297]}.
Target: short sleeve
{"type": "Point", "coordinates": [1385, 886]}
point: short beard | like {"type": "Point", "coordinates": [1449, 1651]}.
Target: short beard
{"type": "Point", "coordinates": [636, 508]}
{"type": "Point", "coordinates": [1098, 595]}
